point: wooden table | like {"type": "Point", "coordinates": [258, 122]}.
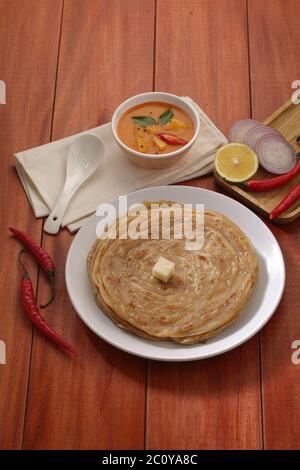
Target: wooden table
{"type": "Point", "coordinates": [67, 65]}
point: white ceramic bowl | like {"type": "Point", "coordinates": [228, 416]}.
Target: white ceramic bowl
{"type": "Point", "coordinates": [153, 160]}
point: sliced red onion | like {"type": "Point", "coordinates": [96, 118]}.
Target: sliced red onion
{"type": "Point", "coordinates": [240, 128]}
{"type": "Point", "coordinates": [256, 132]}
{"type": "Point", "coordinates": [275, 154]}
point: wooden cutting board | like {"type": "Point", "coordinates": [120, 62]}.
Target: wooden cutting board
{"type": "Point", "coordinates": [287, 121]}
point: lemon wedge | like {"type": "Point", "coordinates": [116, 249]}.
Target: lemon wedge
{"type": "Point", "coordinates": [236, 162]}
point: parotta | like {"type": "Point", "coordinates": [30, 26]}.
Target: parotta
{"type": "Point", "coordinates": [208, 291]}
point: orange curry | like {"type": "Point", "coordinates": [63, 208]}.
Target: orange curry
{"type": "Point", "coordinates": [155, 128]}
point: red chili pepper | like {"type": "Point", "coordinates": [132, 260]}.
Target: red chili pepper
{"type": "Point", "coordinates": [42, 257]}
{"type": "Point", "coordinates": [171, 139]}
{"type": "Point", "coordinates": [32, 311]}
{"type": "Point", "coordinates": [287, 202]}
{"type": "Point", "coordinates": [272, 183]}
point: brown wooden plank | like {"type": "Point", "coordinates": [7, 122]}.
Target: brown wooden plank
{"type": "Point", "coordinates": [201, 51]}
{"type": "Point", "coordinates": [27, 65]}
{"type": "Point", "coordinates": [97, 399]}
{"type": "Point", "coordinates": [275, 63]}
{"type": "Point", "coordinates": [274, 53]}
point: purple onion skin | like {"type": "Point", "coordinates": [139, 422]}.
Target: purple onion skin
{"type": "Point", "coordinates": [243, 132]}
{"type": "Point", "coordinates": [233, 133]}
{"type": "Point", "coordinates": [261, 151]}
{"type": "Point", "coordinates": [261, 131]}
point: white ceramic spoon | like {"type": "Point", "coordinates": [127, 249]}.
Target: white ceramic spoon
{"type": "Point", "coordinates": [85, 155]}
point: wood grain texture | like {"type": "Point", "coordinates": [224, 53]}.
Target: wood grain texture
{"type": "Point", "coordinates": [96, 400]}
{"type": "Point", "coordinates": [106, 54]}
{"type": "Point", "coordinates": [274, 51]}
{"type": "Point", "coordinates": [200, 49]}
{"type": "Point", "coordinates": [274, 38]}
{"type": "Point", "coordinates": [215, 403]}
{"type": "Point", "coordinates": [27, 65]}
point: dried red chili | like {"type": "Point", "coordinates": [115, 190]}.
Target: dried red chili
{"type": "Point", "coordinates": [42, 257]}
{"type": "Point", "coordinates": [32, 311]}
{"type": "Point", "coordinates": [171, 139]}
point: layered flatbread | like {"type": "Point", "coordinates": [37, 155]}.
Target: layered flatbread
{"type": "Point", "coordinates": [208, 291]}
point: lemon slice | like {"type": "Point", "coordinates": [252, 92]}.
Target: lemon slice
{"type": "Point", "coordinates": [236, 162]}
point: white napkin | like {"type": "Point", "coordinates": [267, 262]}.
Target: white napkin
{"type": "Point", "coordinates": [42, 172]}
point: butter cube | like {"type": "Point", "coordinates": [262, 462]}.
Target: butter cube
{"type": "Point", "coordinates": [163, 269]}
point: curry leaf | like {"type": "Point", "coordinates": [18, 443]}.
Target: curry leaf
{"type": "Point", "coordinates": [144, 121]}
{"type": "Point", "coordinates": [166, 116]}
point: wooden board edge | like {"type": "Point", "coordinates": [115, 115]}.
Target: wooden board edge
{"type": "Point", "coordinates": [277, 113]}
{"type": "Point", "coordinates": [242, 196]}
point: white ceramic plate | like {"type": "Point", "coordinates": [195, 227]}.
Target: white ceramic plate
{"type": "Point", "coordinates": [258, 311]}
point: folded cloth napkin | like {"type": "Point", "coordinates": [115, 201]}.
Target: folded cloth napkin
{"type": "Point", "coordinates": [42, 171]}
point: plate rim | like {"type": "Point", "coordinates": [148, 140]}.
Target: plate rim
{"type": "Point", "coordinates": [158, 357]}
